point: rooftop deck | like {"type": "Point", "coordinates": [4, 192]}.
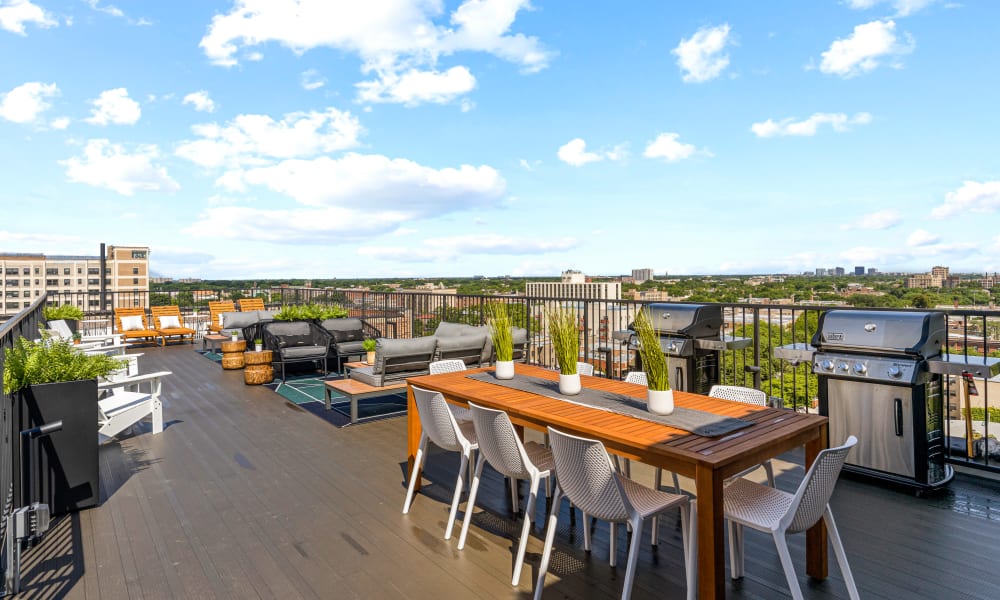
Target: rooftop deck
{"type": "Point", "coordinates": [246, 495]}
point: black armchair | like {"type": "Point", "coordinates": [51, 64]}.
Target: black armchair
{"type": "Point", "coordinates": [346, 337]}
{"type": "Point", "coordinates": [295, 341]}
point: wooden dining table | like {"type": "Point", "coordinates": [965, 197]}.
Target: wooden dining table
{"type": "Point", "coordinates": [706, 460]}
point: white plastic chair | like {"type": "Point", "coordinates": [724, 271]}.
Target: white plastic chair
{"type": "Point", "coordinates": [745, 395]}
{"type": "Point", "coordinates": [583, 368]}
{"type": "Point", "coordinates": [439, 426]}
{"type": "Point", "coordinates": [637, 377]}
{"type": "Point", "coordinates": [439, 367]}
{"type": "Point", "coordinates": [125, 403]}
{"type": "Point", "coordinates": [749, 504]}
{"type": "Point", "coordinates": [585, 475]}
{"type": "Point", "coordinates": [500, 445]}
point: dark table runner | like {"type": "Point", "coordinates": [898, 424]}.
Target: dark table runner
{"type": "Point", "coordinates": [698, 422]}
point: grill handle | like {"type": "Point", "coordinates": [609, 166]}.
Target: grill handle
{"type": "Point", "coordinates": [680, 379]}
{"type": "Point", "coordinates": [899, 416]}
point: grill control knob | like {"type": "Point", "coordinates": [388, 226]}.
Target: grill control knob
{"type": "Point", "coordinates": [895, 372]}
{"type": "Point", "coordinates": [842, 366]}
{"type": "Point", "coordinates": [860, 368]}
{"type": "Point", "coordinates": [672, 347]}
{"type": "Point", "coordinates": [827, 365]}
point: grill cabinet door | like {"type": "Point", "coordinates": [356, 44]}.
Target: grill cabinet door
{"type": "Point", "coordinates": [881, 417]}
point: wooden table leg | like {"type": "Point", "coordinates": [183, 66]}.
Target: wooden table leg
{"type": "Point", "coordinates": [816, 548]}
{"type": "Point", "coordinates": [711, 546]}
{"type": "Point", "coordinates": [413, 431]}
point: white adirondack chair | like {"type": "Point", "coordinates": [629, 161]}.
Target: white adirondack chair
{"type": "Point", "coordinates": [125, 402]}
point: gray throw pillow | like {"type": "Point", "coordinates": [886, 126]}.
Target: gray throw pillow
{"type": "Point", "coordinates": [446, 329]}
{"type": "Point", "coordinates": [238, 320]}
{"type": "Point", "coordinates": [419, 349]}
{"type": "Point", "coordinates": [343, 324]}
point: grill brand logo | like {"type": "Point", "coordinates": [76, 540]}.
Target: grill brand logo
{"type": "Point", "coordinates": [834, 336]}
{"type": "Point", "coordinates": [870, 327]}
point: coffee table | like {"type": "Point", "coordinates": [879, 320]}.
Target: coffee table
{"type": "Point", "coordinates": [212, 341]}
{"type": "Point", "coordinates": [355, 390]}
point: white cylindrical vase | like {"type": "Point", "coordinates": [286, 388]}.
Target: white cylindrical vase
{"type": "Point", "coordinates": [660, 402]}
{"type": "Point", "coordinates": [569, 385]}
{"type": "Point", "coordinates": [505, 369]}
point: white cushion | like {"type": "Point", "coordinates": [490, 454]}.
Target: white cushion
{"type": "Point", "coordinates": [132, 323]}
{"type": "Point", "coordinates": [222, 320]}
{"type": "Point", "coordinates": [169, 322]}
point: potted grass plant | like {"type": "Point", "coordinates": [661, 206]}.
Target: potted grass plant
{"type": "Point", "coordinates": [54, 382]}
{"type": "Point", "coordinates": [565, 336]}
{"type": "Point", "coordinates": [660, 398]}
{"type": "Point", "coordinates": [502, 334]}
{"type": "Point", "coordinates": [369, 345]}
{"type": "Point", "coordinates": [258, 344]}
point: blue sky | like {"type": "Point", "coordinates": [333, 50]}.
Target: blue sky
{"type": "Point", "coordinates": [320, 138]}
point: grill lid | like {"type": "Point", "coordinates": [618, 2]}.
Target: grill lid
{"type": "Point", "coordinates": [917, 333]}
{"type": "Point", "coordinates": [691, 320]}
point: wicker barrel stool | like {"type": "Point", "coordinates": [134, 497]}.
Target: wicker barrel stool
{"type": "Point", "coordinates": [258, 374]}
{"type": "Point", "coordinates": [232, 354]}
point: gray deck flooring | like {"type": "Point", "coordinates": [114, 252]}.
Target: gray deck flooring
{"type": "Point", "coordinates": [245, 495]}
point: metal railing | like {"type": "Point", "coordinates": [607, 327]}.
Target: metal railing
{"type": "Point", "coordinates": [406, 313]}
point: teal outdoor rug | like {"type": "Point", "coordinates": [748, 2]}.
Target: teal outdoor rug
{"type": "Point", "coordinates": [306, 391]}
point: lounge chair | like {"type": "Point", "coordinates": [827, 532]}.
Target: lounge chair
{"type": "Point", "coordinates": [217, 308]}
{"type": "Point", "coordinates": [169, 322]}
{"type": "Point", "coordinates": [125, 404]}
{"type": "Point", "coordinates": [131, 323]}
{"type": "Point", "coordinates": [251, 304]}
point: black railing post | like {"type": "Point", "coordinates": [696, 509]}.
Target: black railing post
{"type": "Point", "coordinates": [756, 347]}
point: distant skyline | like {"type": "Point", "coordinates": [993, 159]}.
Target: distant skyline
{"type": "Point", "coordinates": [430, 138]}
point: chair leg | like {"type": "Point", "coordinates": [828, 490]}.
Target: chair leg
{"type": "Point", "coordinates": [769, 469]}
{"type": "Point", "coordinates": [612, 546]}
{"type": "Point", "coordinates": [586, 526]}
{"type": "Point", "coordinates": [471, 503]}
{"type": "Point", "coordinates": [633, 557]}
{"type": "Point", "coordinates": [514, 496]}
{"type": "Point", "coordinates": [735, 549]}
{"type": "Point", "coordinates": [550, 535]}
{"type": "Point", "coordinates": [529, 509]}
{"type": "Point", "coordinates": [689, 540]}
{"type": "Point", "coordinates": [787, 565]}
{"type": "Point", "coordinates": [838, 551]}
{"type": "Point", "coordinates": [415, 474]}
{"type": "Point", "coordinates": [459, 484]}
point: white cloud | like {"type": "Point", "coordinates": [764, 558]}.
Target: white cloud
{"type": "Point", "coordinates": [415, 86]}
{"type": "Point", "coordinates": [865, 48]}
{"type": "Point", "coordinates": [574, 153]}
{"type": "Point", "coordinates": [880, 219]}
{"type": "Point", "coordinates": [108, 165]}
{"type": "Point", "coordinates": [668, 147]}
{"type": "Point", "coordinates": [258, 139]}
{"type": "Point", "coordinates": [15, 13]}
{"type": "Point", "coordinates": [903, 7]}
{"type": "Point", "coordinates": [397, 40]}
{"type": "Point", "coordinates": [27, 101]}
{"type": "Point", "coordinates": [448, 248]}
{"type": "Point", "coordinates": [529, 165]}
{"type": "Point", "coordinates": [972, 197]}
{"type": "Point", "coordinates": [312, 80]}
{"type": "Point", "coordinates": [355, 196]}
{"type": "Point", "coordinates": [839, 122]}
{"type": "Point", "coordinates": [201, 101]}
{"type": "Point", "coordinates": [59, 123]}
{"type": "Point", "coordinates": [114, 106]}
{"type": "Point", "coordinates": [921, 237]}
{"type": "Point", "coordinates": [108, 9]}
{"type": "Point", "coordinates": [701, 56]}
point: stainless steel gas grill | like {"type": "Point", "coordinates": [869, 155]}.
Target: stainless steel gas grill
{"type": "Point", "coordinates": [691, 337]}
{"type": "Point", "coordinates": [876, 383]}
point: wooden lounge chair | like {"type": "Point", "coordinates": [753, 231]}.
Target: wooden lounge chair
{"type": "Point", "coordinates": [129, 329]}
{"type": "Point", "coordinates": [249, 304]}
{"type": "Point", "coordinates": [217, 308]}
{"type": "Point", "coordinates": [169, 322]}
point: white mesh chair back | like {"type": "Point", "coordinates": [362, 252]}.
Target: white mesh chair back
{"type": "Point", "coordinates": [499, 442]}
{"type": "Point", "coordinates": [447, 366]}
{"type": "Point", "coordinates": [583, 368]}
{"type": "Point", "coordinates": [816, 488]}
{"type": "Point", "coordinates": [438, 422]}
{"type": "Point", "coordinates": [638, 377]}
{"type": "Point", "coordinates": [738, 393]}
{"type": "Point", "coordinates": [586, 476]}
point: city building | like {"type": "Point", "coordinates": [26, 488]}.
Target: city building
{"type": "Point", "coordinates": [939, 277]}
{"type": "Point", "coordinates": [990, 281]}
{"type": "Point", "coordinates": [838, 271]}
{"type": "Point", "coordinates": [820, 272]}
{"type": "Point", "coordinates": [574, 284]}
{"type": "Point", "coordinates": [641, 275]}
{"type": "Point", "coordinates": [872, 271]}
{"type": "Point", "coordinates": [859, 271]}
{"type": "Point", "coordinates": [76, 280]}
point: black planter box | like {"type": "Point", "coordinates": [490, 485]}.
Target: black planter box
{"type": "Point", "coordinates": [66, 469]}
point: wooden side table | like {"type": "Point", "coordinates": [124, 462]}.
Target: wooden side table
{"type": "Point", "coordinates": [232, 354]}
{"type": "Point", "coordinates": [259, 369]}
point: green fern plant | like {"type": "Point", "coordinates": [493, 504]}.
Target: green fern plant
{"type": "Point", "coordinates": [501, 330]}
{"type": "Point", "coordinates": [565, 336]}
{"type": "Point", "coordinates": [308, 312]}
{"type": "Point", "coordinates": [654, 361]}
{"type": "Point", "coordinates": [50, 361]}
{"type": "Point", "coordinates": [63, 311]}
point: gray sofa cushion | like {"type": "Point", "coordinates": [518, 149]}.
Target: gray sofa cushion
{"type": "Point", "coordinates": [410, 355]}
{"type": "Point", "coordinates": [283, 328]}
{"type": "Point", "coordinates": [469, 348]}
{"type": "Point", "coordinates": [350, 348]}
{"type": "Point", "coordinates": [446, 329]}
{"type": "Point", "coordinates": [366, 375]}
{"type": "Point", "coordinates": [302, 352]}
{"type": "Point", "coordinates": [239, 320]}
{"type": "Point", "coordinates": [266, 315]}
{"type": "Point", "coordinates": [345, 324]}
